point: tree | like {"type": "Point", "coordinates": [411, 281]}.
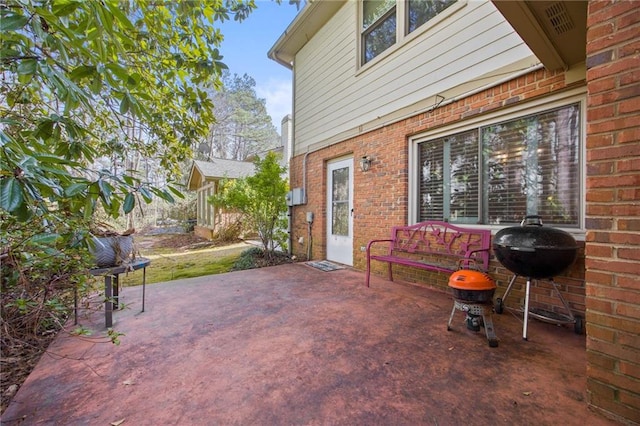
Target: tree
{"type": "Point", "coordinates": [261, 199]}
{"type": "Point", "coordinates": [82, 81]}
{"type": "Point", "coordinates": [243, 127]}
{"type": "Point", "coordinates": [79, 77]}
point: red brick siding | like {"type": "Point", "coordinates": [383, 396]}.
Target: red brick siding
{"type": "Point", "coordinates": [380, 195]}
{"type": "Point", "coordinates": [609, 263]}
{"type": "Point", "coordinates": [613, 207]}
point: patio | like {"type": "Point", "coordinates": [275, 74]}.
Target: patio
{"type": "Point", "coordinates": [292, 344]}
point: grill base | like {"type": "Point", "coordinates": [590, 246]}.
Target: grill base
{"type": "Point", "coordinates": [546, 316]}
{"type": "Point", "coordinates": [474, 312]}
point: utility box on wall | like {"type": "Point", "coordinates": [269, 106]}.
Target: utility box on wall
{"type": "Point", "coordinates": [295, 197]}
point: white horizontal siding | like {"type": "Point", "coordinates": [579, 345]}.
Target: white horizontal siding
{"type": "Point", "coordinates": [325, 67]}
{"type": "Point", "coordinates": [332, 97]}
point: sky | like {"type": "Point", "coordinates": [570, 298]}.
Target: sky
{"type": "Point", "coordinates": [245, 49]}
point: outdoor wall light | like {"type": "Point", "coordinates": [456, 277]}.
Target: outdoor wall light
{"type": "Point", "coordinates": [365, 163]}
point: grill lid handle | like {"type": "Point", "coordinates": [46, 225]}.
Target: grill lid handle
{"type": "Point", "coordinates": [523, 249]}
{"type": "Point", "coordinates": [531, 220]}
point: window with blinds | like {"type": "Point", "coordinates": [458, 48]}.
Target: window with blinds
{"type": "Point", "coordinates": [497, 174]}
{"type": "Point", "coordinates": [449, 178]}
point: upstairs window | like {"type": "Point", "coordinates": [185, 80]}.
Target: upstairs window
{"type": "Point", "coordinates": [499, 172]}
{"type": "Point", "coordinates": [378, 27]}
{"type": "Point", "coordinates": [421, 11]}
{"type": "Point", "coordinates": [384, 21]}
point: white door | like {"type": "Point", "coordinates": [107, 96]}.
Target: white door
{"type": "Point", "coordinates": [340, 211]}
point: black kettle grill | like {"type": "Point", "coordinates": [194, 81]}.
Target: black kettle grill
{"type": "Point", "coordinates": [536, 252]}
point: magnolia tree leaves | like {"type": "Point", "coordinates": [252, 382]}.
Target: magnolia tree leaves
{"type": "Point", "coordinates": [78, 75]}
{"type": "Point", "coordinates": [82, 83]}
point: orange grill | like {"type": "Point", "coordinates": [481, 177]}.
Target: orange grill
{"type": "Point", "coordinates": [473, 293]}
{"type": "Point", "coordinates": [471, 280]}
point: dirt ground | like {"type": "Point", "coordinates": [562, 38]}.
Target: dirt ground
{"type": "Point", "coordinates": [179, 242]}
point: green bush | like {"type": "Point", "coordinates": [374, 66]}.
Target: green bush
{"type": "Point", "coordinates": [248, 258]}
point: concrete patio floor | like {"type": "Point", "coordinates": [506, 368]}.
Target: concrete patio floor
{"type": "Point", "coordinates": [295, 345]}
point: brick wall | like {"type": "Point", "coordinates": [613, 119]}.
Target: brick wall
{"type": "Point", "coordinates": [610, 260]}
{"type": "Point", "coordinates": [380, 195]}
{"type": "Point", "coordinates": [613, 209]}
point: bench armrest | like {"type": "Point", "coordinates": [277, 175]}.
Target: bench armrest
{"type": "Point", "coordinates": [372, 242]}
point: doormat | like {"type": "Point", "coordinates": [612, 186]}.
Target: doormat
{"type": "Point", "coordinates": [325, 265]}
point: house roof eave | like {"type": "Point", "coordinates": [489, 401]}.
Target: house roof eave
{"type": "Point", "coordinates": [555, 31]}
{"type": "Point", "coordinates": [306, 24]}
{"type": "Point", "coordinates": [217, 168]}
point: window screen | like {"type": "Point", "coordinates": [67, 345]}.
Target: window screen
{"type": "Point", "coordinates": [383, 21]}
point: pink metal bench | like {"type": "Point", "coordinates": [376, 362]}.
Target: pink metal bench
{"type": "Point", "coordinates": [433, 246]}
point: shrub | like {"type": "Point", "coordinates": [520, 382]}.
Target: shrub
{"type": "Point", "coordinates": [248, 258]}
{"type": "Point", "coordinates": [229, 232]}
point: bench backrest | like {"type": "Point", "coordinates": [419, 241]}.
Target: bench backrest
{"type": "Point", "coordinates": [442, 238]}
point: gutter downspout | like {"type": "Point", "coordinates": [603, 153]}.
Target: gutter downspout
{"type": "Point", "coordinates": [310, 240]}
{"type": "Point", "coordinates": [290, 232]}
{"type": "Point", "coordinates": [304, 177]}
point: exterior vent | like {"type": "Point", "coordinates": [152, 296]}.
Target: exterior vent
{"type": "Point", "coordinates": [559, 18]}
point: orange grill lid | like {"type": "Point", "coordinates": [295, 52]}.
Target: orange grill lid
{"type": "Point", "coordinates": [471, 280]}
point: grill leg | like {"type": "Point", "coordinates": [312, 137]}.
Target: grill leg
{"type": "Point", "coordinates": [489, 330]}
{"type": "Point", "coordinates": [144, 284]}
{"type": "Point", "coordinates": [562, 299]}
{"type": "Point", "coordinates": [108, 301]}
{"type": "Point", "coordinates": [526, 309]}
{"type": "Point", "coordinates": [506, 293]}
{"type": "Point", "coordinates": [478, 310]}
{"type": "Point", "coordinates": [453, 311]}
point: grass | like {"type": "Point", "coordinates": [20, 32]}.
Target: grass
{"type": "Point", "coordinates": [167, 266]}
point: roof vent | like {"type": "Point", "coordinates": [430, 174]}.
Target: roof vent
{"type": "Point", "coordinates": [559, 18]}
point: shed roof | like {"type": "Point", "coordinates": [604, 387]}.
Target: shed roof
{"type": "Point", "coordinates": [218, 168]}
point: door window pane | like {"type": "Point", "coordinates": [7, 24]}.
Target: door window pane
{"type": "Point", "coordinates": [340, 202]}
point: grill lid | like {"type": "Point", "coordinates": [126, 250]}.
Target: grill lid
{"type": "Point", "coordinates": [471, 280]}
{"type": "Point", "coordinates": [534, 250]}
{"type": "Point", "coordinates": [531, 235]}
